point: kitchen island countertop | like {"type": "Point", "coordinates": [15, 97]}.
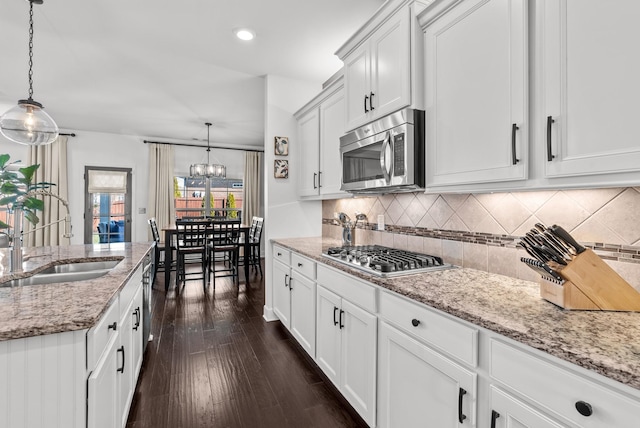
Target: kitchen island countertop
{"type": "Point", "coordinates": [32, 310]}
{"type": "Point", "coordinates": [607, 343]}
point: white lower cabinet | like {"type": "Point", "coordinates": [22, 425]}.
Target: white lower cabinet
{"type": "Point", "coordinates": [102, 390]}
{"type": "Point", "coordinates": [281, 275]}
{"type": "Point", "coordinates": [509, 412]}
{"type": "Point", "coordinates": [346, 350]}
{"type": "Point", "coordinates": [418, 387]}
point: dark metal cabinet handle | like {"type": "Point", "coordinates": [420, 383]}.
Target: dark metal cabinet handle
{"type": "Point", "coordinates": [415, 322]}
{"type": "Point", "coordinates": [319, 179]}
{"type": "Point", "coordinates": [461, 393]}
{"type": "Point", "coordinates": [550, 122]}
{"type": "Point", "coordinates": [494, 415]}
{"type": "Point", "coordinates": [366, 97]}
{"type": "Point", "coordinates": [137, 315]}
{"type": "Point", "coordinates": [315, 175]}
{"type": "Point", "coordinates": [371, 94]}
{"type": "Point", "coordinates": [335, 311]}
{"type": "Point", "coordinates": [584, 408]}
{"type": "Point", "coordinates": [121, 369]}
{"type": "Point", "coordinates": [113, 326]}
{"type": "Point", "coordinates": [514, 159]}
{"type": "Point", "coordinates": [341, 324]}
{"type": "Point", "coordinates": [285, 280]}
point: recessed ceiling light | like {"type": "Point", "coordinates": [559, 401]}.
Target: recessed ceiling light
{"type": "Point", "coordinates": [244, 33]}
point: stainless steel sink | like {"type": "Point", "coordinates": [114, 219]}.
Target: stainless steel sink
{"type": "Point", "coordinates": [80, 267]}
{"type": "Point", "coordinates": [68, 272]}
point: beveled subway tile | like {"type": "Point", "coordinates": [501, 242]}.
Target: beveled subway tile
{"type": "Point", "coordinates": [563, 211]}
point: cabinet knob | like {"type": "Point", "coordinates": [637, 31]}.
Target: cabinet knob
{"type": "Point", "coordinates": [299, 264]}
{"type": "Point", "coordinates": [415, 322]}
{"type": "Point", "coordinates": [584, 408]}
{"type": "Point", "coordinates": [113, 326]}
{"type": "Point", "coordinates": [279, 254]}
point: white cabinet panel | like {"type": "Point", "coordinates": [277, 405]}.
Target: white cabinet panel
{"type": "Point", "coordinates": [418, 387]}
{"type": "Point", "coordinates": [328, 347]}
{"type": "Point", "coordinates": [331, 129]}
{"type": "Point", "coordinates": [508, 412]}
{"type": "Point", "coordinates": [303, 311]}
{"type": "Point", "coordinates": [477, 93]}
{"type": "Point", "coordinates": [309, 152]}
{"type": "Point", "coordinates": [103, 391]}
{"type": "Point", "coordinates": [590, 86]}
{"type": "Point", "coordinates": [281, 275]}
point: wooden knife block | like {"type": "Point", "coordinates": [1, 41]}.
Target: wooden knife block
{"type": "Point", "coordinates": [590, 284]}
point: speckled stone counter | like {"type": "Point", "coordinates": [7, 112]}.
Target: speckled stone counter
{"type": "Point", "coordinates": [33, 310]}
{"type": "Point", "coordinates": [605, 342]}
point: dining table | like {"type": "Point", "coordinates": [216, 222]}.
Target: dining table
{"type": "Point", "coordinates": [171, 230]}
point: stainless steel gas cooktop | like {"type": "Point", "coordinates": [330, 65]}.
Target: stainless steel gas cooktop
{"type": "Point", "coordinates": [384, 261]}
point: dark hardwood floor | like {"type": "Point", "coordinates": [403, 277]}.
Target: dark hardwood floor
{"type": "Point", "coordinates": [215, 362]}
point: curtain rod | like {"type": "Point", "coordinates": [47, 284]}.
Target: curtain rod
{"type": "Point", "coordinates": [201, 146]}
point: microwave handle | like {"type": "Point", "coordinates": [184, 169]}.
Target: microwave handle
{"type": "Point", "coordinates": [387, 167]}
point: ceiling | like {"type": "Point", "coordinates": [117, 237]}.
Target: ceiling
{"type": "Point", "coordinates": [159, 69]}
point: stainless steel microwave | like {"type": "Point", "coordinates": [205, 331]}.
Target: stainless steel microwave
{"type": "Point", "coordinates": [386, 155]}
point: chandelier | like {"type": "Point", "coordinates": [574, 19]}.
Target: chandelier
{"type": "Point", "coordinates": [207, 170]}
{"type": "Point", "coordinates": [28, 123]}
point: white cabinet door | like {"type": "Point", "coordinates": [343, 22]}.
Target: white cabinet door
{"type": "Point", "coordinates": [476, 93]}
{"type": "Point", "coordinates": [281, 294]}
{"type": "Point", "coordinates": [378, 73]}
{"type": "Point", "coordinates": [328, 338]}
{"type": "Point", "coordinates": [332, 112]}
{"type": "Point", "coordinates": [391, 65]}
{"type": "Point", "coordinates": [303, 312]}
{"type": "Point", "coordinates": [125, 367]}
{"type": "Point", "coordinates": [508, 412]}
{"type": "Point", "coordinates": [418, 387]}
{"type": "Point", "coordinates": [591, 86]}
{"type": "Point", "coordinates": [357, 72]}
{"type": "Point", "coordinates": [102, 389]}
{"type": "Point", "coordinates": [358, 364]}
{"type": "Point", "coordinates": [309, 152]}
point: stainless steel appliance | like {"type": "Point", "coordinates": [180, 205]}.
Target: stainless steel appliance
{"type": "Point", "coordinates": [384, 261]}
{"type": "Point", "coordinates": [385, 156]}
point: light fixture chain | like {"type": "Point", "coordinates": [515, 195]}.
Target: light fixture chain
{"type": "Point", "coordinates": [30, 49]}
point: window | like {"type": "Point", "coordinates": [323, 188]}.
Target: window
{"type": "Point", "coordinates": [225, 197]}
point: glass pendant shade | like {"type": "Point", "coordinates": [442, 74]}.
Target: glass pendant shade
{"type": "Point", "coordinates": [27, 123]}
{"type": "Point", "coordinates": [207, 170]}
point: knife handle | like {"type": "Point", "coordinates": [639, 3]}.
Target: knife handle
{"type": "Point", "coordinates": [566, 237]}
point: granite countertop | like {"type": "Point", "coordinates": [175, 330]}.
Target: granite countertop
{"type": "Point", "coordinates": [32, 310]}
{"type": "Point", "coordinates": [607, 343]}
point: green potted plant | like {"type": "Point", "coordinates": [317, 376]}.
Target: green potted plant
{"type": "Point", "coordinates": [16, 189]}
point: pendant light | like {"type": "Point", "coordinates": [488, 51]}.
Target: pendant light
{"type": "Point", "coordinates": [207, 170]}
{"type": "Point", "coordinates": [27, 123]}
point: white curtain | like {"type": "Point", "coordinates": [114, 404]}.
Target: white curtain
{"type": "Point", "coordinates": [161, 191]}
{"type": "Point", "coordinates": [252, 190]}
{"type": "Point", "coordinates": [52, 159]}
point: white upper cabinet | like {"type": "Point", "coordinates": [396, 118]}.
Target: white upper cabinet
{"type": "Point", "coordinates": [589, 69]}
{"type": "Point", "coordinates": [476, 87]}
{"type": "Point", "coordinates": [379, 71]}
{"type": "Point", "coordinates": [320, 126]}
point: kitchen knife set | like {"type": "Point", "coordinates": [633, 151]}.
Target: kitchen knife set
{"type": "Point", "coordinates": [551, 249]}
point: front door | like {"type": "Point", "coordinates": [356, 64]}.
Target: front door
{"type": "Point", "coordinates": [107, 214]}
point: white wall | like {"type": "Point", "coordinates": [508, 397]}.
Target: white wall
{"type": "Point", "coordinates": [285, 215]}
{"type": "Point", "coordinates": [122, 151]}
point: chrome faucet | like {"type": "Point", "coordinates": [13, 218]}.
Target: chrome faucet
{"type": "Point", "coordinates": [16, 235]}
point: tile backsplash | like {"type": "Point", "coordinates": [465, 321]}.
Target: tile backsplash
{"type": "Point", "coordinates": [480, 230]}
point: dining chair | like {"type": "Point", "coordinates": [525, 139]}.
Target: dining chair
{"type": "Point", "coordinates": [191, 249]}
{"type": "Point", "coordinates": [255, 242]}
{"type": "Point", "coordinates": [223, 250]}
{"type": "Point", "coordinates": [160, 256]}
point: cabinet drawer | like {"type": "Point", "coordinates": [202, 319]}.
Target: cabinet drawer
{"type": "Point", "coordinates": [281, 254]}
{"type": "Point", "coordinates": [434, 329]}
{"type": "Point", "coordinates": [303, 265]}
{"type": "Point", "coordinates": [129, 290]}
{"type": "Point", "coordinates": [356, 291]}
{"type": "Point", "coordinates": [557, 390]}
{"type": "Point", "coordinates": [98, 336]}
